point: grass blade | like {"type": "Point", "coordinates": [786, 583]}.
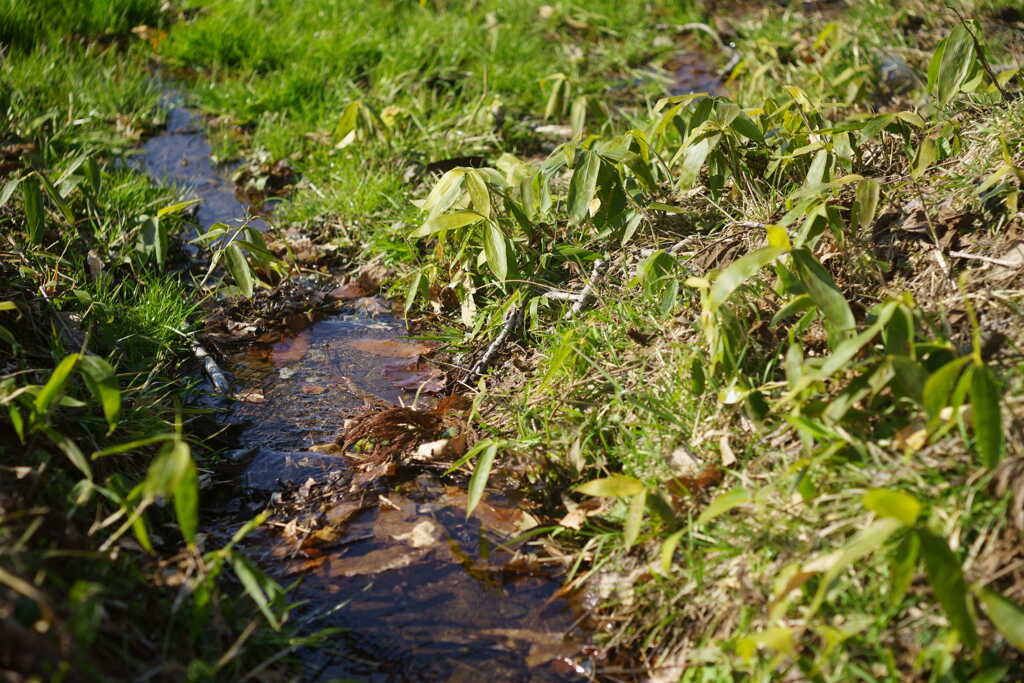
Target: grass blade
{"type": "Point", "coordinates": [478, 481]}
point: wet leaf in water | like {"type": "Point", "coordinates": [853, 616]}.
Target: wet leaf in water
{"type": "Point", "coordinates": [349, 292]}
{"type": "Point", "coordinates": [415, 376]}
{"type": "Point", "coordinates": [388, 347]}
{"type": "Point", "coordinates": [290, 350]}
{"type": "Point", "coordinates": [342, 512]}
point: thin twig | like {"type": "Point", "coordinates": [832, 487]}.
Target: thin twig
{"type": "Point", "coordinates": [987, 259]}
{"type": "Point", "coordinates": [561, 296]}
{"type": "Point", "coordinates": [492, 351]}
{"type": "Point", "coordinates": [217, 376]}
{"type": "Point", "coordinates": [587, 295]}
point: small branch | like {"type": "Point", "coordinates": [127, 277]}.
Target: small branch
{"type": "Point", "coordinates": [987, 259]}
{"type": "Point", "coordinates": [752, 225]}
{"type": "Point", "coordinates": [561, 296]}
{"type": "Point", "coordinates": [492, 351]}
{"type": "Point", "coordinates": [587, 296]}
{"type": "Point", "coordinates": [217, 376]}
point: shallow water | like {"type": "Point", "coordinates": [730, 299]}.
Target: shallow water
{"type": "Point", "coordinates": [421, 591]}
{"type": "Point", "coordinates": [181, 156]}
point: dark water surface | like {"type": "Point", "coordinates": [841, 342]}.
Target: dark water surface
{"type": "Point", "coordinates": [181, 156]}
{"type": "Point", "coordinates": [422, 592]}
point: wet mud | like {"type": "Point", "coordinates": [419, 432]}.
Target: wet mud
{"type": "Point", "coordinates": [420, 591]}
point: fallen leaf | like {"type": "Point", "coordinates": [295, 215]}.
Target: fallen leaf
{"type": "Point", "coordinates": [250, 396]}
{"type": "Point", "coordinates": [415, 376]}
{"type": "Point", "coordinates": [342, 512]}
{"type": "Point", "coordinates": [348, 292]}
{"type": "Point", "coordinates": [388, 347]}
{"type": "Point", "coordinates": [432, 449]}
{"type": "Point", "coordinates": [291, 350]}
{"type": "Point", "coordinates": [728, 457]}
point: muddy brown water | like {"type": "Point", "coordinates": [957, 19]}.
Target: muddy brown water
{"type": "Point", "coordinates": [419, 591]}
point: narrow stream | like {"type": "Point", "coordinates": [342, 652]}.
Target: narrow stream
{"type": "Point", "coordinates": [421, 592]}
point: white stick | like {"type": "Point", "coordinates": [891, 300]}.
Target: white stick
{"type": "Point", "coordinates": [217, 376]}
{"type": "Point", "coordinates": [587, 295]}
{"type": "Point", "coordinates": [492, 350]}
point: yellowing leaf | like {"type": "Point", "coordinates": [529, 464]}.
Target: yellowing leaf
{"type": "Point", "coordinates": [895, 504]}
{"type": "Point", "coordinates": [615, 486]}
{"type": "Point", "coordinates": [1007, 615]}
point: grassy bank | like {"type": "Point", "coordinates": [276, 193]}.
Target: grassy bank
{"type": "Point", "coordinates": [104, 574]}
{"type": "Point", "coordinates": [780, 434]}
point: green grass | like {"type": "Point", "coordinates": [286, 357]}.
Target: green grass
{"type": "Point", "coordinates": [101, 577]}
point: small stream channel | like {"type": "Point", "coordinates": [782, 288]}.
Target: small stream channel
{"type": "Point", "coordinates": [421, 592]}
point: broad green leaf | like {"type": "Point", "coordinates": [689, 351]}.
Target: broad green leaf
{"type": "Point", "coordinates": [615, 486]}
{"type": "Point", "coordinates": [346, 128]}
{"type": "Point", "coordinates": [909, 378]}
{"type": "Point", "coordinates": [478, 193]}
{"type": "Point", "coordinates": [816, 174]}
{"type": "Point", "coordinates": [902, 567]}
{"type": "Point", "coordinates": [822, 288]}
{"type": "Point", "coordinates": [694, 158]}
{"type": "Point", "coordinates": [866, 204]}
{"type": "Point", "coordinates": [956, 62]}
{"type": "Point", "coordinates": [34, 215]}
{"type": "Point", "coordinates": [927, 153]}
{"type": "Point", "coordinates": [939, 386]}
{"type": "Point", "coordinates": [746, 127]}
{"type": "Point", "coordinates": [1007, 615]}
{"type": "Point", "coordinates": [445, 193]}
{"type": "Point", "coordinates": [947, 580]}
{"type": "Point", "coordinates": [986, 415]}
{"type": "Point", "coordinates": [71, 450]}
{"type": "Point", "coordinates": [154, 239]}
{"type": "Point", "coordinates": [578, 116]}
{"type": "Point", "coordinates": [9, 187]}
{"type": "Point", "coordinates": [239, 269]}
{"type": "Point", "coordinates": [739, 271]}
{"type": "Point", "coordinates": [55, 384]}
{"type": "Point", "coordinates": [668, 550]}
{"type": "Point", "coordinates": [634, 518]}
{"type": "Point", "coordinates": [798, 304]}
{"type": "Point", "coordinates": [478, 482]}
{"type": "Point", "coordinates": [448, 221]}
{"type": "Point", "coordinates": [583, 186]}
{"type": "Point", "coordinates": [723, 503]}
{"type": "Point", "coordinates": [186, 500]}
{"type": "Point", "coordinates": [259, 587]}
{"type": "Point", "coordinates": [102, 382]}
{"type": "Point", "coordinates": [846, 351]}
{"type": "Point", "coordinates": [168, 469]}
{"type": "Point", "coordinates": [892, 503]}
{"type": "Point", "coordinates": [863, 544]}
{"type": "Point", "coordinates": [494, 249]}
